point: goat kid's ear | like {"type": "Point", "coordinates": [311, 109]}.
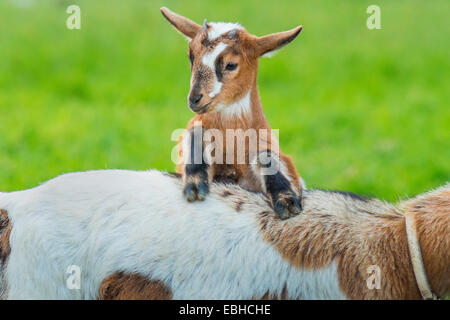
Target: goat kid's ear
{"type": "Point", "coordinates": [267, 45]}
{"type": "Point", "coordinates": [182, 24]}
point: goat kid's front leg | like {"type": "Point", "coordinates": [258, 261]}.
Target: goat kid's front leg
{"type": "Point", "coordinates": [196, 172]}
{"type": "Point", "coordinates": [278, 184]}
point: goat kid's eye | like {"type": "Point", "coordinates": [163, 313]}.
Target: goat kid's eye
{"type": "Point", "coordinates": [231, 66]}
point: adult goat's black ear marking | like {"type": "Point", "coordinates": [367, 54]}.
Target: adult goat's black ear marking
{"type": "Point", "coordinates": [182, 24]}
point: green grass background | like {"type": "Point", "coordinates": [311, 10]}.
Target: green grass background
{"type": "Point", "coordinates": [359, 110]}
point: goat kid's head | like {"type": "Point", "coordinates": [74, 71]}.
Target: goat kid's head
{"type": "Point", "coordinates": [224, 59]}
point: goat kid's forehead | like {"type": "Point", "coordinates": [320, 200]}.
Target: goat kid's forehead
{"type": "Point", "coordinates": [217, 29]}
{"type": "Point", "coordinates": [217, 34]}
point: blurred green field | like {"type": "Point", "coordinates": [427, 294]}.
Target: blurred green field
{"type": "Point", "coordinates": [359, 110]}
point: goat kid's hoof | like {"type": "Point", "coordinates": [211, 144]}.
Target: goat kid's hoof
{"type": "Point", "coordinates": [287, 205]}
{"type": "Point", "coordinates": [196, 191]}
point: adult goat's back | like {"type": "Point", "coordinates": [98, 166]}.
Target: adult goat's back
{"type": "Point", "coordinates": [131, 234]}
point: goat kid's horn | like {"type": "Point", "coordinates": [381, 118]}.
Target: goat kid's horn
{"type": "Point", "coordinates": [205, 24]}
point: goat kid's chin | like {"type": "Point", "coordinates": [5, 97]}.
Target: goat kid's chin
{"type": "Point", "coordinates": [201, 109]}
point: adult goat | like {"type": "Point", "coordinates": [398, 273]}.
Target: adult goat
{"type": "Point", "coordinates": [132, 235]}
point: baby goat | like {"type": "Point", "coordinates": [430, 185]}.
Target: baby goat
{"type": "Point", "coordinates": [224, 95]}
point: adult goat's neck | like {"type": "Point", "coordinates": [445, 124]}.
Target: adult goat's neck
{"type": "Point", "coordinates": [368, 242]}
{"type": "Point", "coordinates": [432, 215]}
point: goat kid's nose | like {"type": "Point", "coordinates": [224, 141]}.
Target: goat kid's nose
{"type": "Point", "coordinates": [194, 99]}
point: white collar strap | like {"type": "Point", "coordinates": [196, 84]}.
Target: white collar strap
{"type": "Point", "coordinates": [417, 260]}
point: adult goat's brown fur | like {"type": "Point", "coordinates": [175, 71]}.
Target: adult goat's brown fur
{"type": "Point", "coordinates": [353, 232]}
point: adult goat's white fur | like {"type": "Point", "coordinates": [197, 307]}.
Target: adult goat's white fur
{"type": "Point", "coordinates": [138, 223]}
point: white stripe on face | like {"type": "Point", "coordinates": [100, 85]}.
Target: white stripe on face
{"type": "Point", "coordinates": [209, 60]}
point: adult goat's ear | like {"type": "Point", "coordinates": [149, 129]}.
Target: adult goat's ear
{"type": "Point", "coordinates": [267, 45]}
{"type": "Point", "coordinates": [182, 24]}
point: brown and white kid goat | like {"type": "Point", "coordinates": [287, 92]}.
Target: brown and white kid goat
{"type": "Point", "coordinates": [224, 95]}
